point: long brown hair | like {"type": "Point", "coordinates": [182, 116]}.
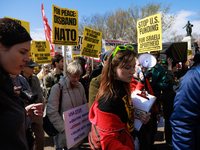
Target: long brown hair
{"type": "Point", "coordinates": [107, 86]}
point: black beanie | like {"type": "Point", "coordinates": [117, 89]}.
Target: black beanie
{"type": "Point", "coordinates": [197, 57]}
{"type": "Point", "coordinates": [104, 56]}
{"type": "Point", "coordinates": [12, 33]}
{"type": "Point", "coordinates": [195, 61]}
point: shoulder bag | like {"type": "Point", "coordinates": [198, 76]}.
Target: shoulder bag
{"type": "Point", "coordinates": [47, 125]}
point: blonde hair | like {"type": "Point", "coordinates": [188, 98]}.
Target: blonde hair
{"type": "Point", "coordinates": [40, 75]}
{"type": "Point", "coordinates": [74, 68]}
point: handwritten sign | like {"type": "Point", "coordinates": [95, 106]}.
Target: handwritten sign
{"type": "Point", "coordinates": [77, 125]}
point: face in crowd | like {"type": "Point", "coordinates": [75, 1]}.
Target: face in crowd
{"type": "Point", "coordinates": [126, 72]}
{"type": "Point", "coordinates": [28, 70]}
{"type": "Point", "coordinates": [73, 72]}
{"type": "Point", "coordinates": [155, 54]}
{"type": "Point", "coordinates": [73, 78]}
{"type": "Point", "coordinates": [121, 63]}
{"type": "Point", "coordinates": [60, 64]}
{"type": "Point", "coordinates": [14, 46]}
{"type": "Point", "coordinates": [46, 69]}
{"type": "Point", "coordinates": [13, 59]}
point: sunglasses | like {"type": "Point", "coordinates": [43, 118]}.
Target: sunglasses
{"type": "Point", "coordinates": [31, 67]}
{"type": "Point", "coordinates": [122, 47]}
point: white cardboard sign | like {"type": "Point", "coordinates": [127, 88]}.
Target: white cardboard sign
{"type": "Point", "coordinates": [77, 124]}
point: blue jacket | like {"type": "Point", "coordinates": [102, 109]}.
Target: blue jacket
{"type": "Point", "coordinates": [185, 119]}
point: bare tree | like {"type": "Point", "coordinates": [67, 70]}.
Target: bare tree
{"type": "Point", "coordinates": [117, 24]}
{"type": "Point", "coordinates": [84, 22]}
{"type": "Point", "coordinates": [123, 23]}
{"type": "Point", "coordinates": [140, 12]}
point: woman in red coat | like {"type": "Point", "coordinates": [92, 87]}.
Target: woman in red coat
{"type": "Point", "coordinates": [112, 112]}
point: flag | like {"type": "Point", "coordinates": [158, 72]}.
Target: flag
{"type": "Point", "coordinates": [48, 32]}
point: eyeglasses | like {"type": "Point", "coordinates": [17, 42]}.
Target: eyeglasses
{"type": "Point", "coordinates": [122, 47]}
{"type": "Point", "coordinates": [74, 76]}
{"type": "Point", "coordinates": [31, 67]}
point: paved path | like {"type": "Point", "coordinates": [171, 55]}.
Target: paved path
{"type": "Point", "coordinates": [159, 142]}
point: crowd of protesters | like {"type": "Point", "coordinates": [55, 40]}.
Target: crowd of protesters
{"type": "Point", "coordinates": [107, 89]}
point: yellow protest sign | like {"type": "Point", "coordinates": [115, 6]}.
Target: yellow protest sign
{"type": "Point", "coordinates": [189, 52]}
{"type": "Point", "coordinates": [25, 24]}
{"type": "Point", "coordinates": [74, 56]}
{"type": "Point", "coordinates": [149, 34]}
{"type": "Point", "coordinates": [65, 26]}
{"type": "Point", "coordinates": [77, 49]}
{"type": "Point", "coordinates": [30, 56]}
{"type": "Point", "coordinates": [41, 52]}
{"type": "Point", "coordinates": [91, 45]}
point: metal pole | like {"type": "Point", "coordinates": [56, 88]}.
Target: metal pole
{"type": "Point", "coordinates": [64, 59]}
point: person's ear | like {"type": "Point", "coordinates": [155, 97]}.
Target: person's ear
{"type": "Point", "coordinates": [56, 63]}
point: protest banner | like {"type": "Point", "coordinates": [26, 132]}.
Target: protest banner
{"type": "Point", "coordinates": [31, 56]}
{"type": "Point", "coordinates": [25, 24]}
{"type": "Point", "coordinates": [65, 26]}
{"type": "Point", "coordinates": [77, 49]}
{"type": "Point", "coordinates": [190, 52]}
{"type": "Point", "coordinates": [41, 52]}
{"type": "Point", "coordinates": [91, 43]}
{"type": "Point", "coordinates": [77, 125]}
{"type": "Point", "coordinates": [57, 49]}
{"type": "Point", "coordinates": [75, 56]}
{"type": "Point", "coordinates": [115, 42]}
{"type": "Point", "coordinates": [31, 53]}
{"type": "Point", "coordinates": [68, 52]}
{"type": "Point", "coordinates": [149, 34]}
{"type": "Point", "coordinates": [109, 44]}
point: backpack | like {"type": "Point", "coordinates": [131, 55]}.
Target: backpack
{"type": "Point", "coordinates": [94, 138]}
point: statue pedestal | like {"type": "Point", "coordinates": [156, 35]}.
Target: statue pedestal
{"type": "Point", "coordinates": [190, 40]}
